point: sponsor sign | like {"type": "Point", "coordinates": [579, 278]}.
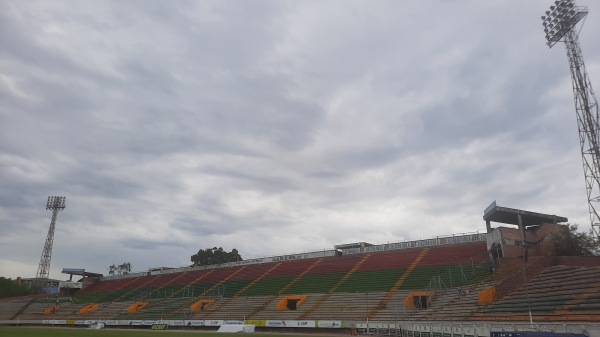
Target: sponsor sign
{"type": "Point", "coordinates": [532, 334]}
{"type": "Point", "coordinates": [177, 323]}
{"type": "Point", "coordinates": [195, 323]}
{"type": "Point", "coordinates": [97, 325]}
{"type": "Point", "coordinates": [135, 323]}
{"type": "Point", "coordinates": [148, 322]}
{"type": "Point", "coordinates": [276, 324]}
{"type": "Point", "coordinates": [240, 263]}
{"type": "Point", "coordinates": [73, 271]}
{"type": "Point", "coordinates": [256, 322]}
{"type": "Point", "coordinates": [300, 324]}
{"type": "Point", "coordinates": [57, 321]}
{"type": "Point", "coordinates": [70, 322]}
{"type": "Point", "coordinates": [159, 326]}
{"type": "Point", "coordinates": [110, 322]}
{"type": "Point", "coordinates": [329, 324]}
{"type": "Point", "coordinates": [213, 322]}
{"type": "Point", "coordinates": [287, 257]}
{"type": "Point", "coordinates": [233, 322]}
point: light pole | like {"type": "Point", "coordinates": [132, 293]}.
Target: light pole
{"type": "Point", "coordinates": [559, 25]}
{"type": "Point", "coordinates": [55, 204]}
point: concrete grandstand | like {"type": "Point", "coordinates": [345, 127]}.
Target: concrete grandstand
{"type": "Point", "coordinates": [479, 281]}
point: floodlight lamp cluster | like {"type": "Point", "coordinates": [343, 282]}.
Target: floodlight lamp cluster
{"type": "Point", "coordinates": [56, 203]}
{"type": "Point", "coordinates": [561, 18]}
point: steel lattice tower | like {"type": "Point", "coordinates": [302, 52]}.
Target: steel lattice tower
{"type": "Point", "coordinates": [55, 204]}
{"type": "Point", "coordinates": [559, 25]}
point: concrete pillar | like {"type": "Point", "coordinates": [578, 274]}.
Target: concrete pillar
{"type": "Point", "coordinates": [522, 228]}
{"type": "Point", "coordinates": [488, 225]}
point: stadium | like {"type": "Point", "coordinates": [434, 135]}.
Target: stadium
{"type": "Point", "coordinates": [460, 285]}
{"type": "Point", "coordinates": [505, 281]}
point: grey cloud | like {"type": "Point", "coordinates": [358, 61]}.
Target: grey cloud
{"type": "Point", "coordinates": [299, 125]}
{"type": "Point", "coordinates": [325, 174]}
{"type": "Point", "coordinates": [263, 180]}
{"type": "Point", "coordinates": [132, 243]}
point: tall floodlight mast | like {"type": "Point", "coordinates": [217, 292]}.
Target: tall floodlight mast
{"type": "Point", "coordinates": [559, 25]}
{"type": "Point", "coordinates": [55, 204]}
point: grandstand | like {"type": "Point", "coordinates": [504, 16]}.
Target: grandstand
{"type": "Point", "coordinates": [370, 284]}
{"type": "Point", "coordinates": [455, 278]}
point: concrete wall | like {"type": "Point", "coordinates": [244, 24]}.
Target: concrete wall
{"type": "Point", "coordinates": [539, 240]}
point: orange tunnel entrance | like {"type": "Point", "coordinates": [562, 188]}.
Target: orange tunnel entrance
{"type": "Point", "coordinates": [291, 302]}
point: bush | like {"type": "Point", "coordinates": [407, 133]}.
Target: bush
{"type": "Point", "coordinates": [574, 243]}
{"type": "Point", "coordinates": [8, 288]}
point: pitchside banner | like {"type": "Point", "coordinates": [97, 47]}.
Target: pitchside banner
{"type": "Point", "coordinates": [256, 322]}
{"type": "Point", "coordinates": [532, 334]}
{"type": "Point", "coordinates": [261, 323]}
{"type": "Point", "coordinates": [276, 324]}
{"type": "Point", "coordinates": [233, 322]}
{"type": "Point", "coordinates": [291, 324]}
{"type": "Point", "coordinates": [213, 322]}
{"type": "Point", "coordinates": [301, 324]}
{"type": "Point", "coordinates": [160, 326]}
{"type": "Point", "coordinates": [195, 323]}
{"type": "Point", "coordinates": [191, 323]}
{"type": "Point", "coordinates": [329, 324]}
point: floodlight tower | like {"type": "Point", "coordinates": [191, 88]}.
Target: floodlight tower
{"type": "Point", "coordinates": [559, 25]}
{"type": "Point", "coordinates": [55, 204]}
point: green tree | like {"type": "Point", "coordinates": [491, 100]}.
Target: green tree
{"type": "Point", "coordinates": [122, 269]}
{"type": "Point", "coordinates": [9, 288]}
{"type": "Point", "coordinates": [574, 243]}
{"type": "Point", "coordinates": [215, 255]}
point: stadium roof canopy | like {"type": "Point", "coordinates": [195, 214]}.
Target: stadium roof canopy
{"type": "Point", "coordinates": [80, 272]}
{"type": "Point", "coordinates": [495, 213]}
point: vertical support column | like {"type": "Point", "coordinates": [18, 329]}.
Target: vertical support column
{"type": "Point", "coordinates": [488, 225]}
{"type": "Point", "coordinates": [523, 237]}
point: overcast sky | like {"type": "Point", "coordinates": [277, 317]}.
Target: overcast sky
{"type": "Point", "coordinates": [276, 127]}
